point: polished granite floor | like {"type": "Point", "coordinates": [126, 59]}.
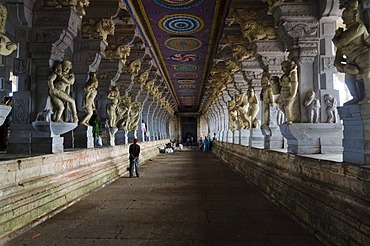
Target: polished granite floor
{"type": "Point", "coordinates": [183, 198]}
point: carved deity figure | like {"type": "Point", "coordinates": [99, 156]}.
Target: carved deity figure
{"type": "Point", "coordinates": [142, 78]}
{"type": "Point", "coordinates": [123, 112]}
{"type": "Point", "coordinates": [114, 96]}
{"type": "Point", "coordinates": [240, 53]}
{"type": "Point", "coordinates": [252, 30]}
{"type": "Point", "coordinates": [276, 89]}
{"type": "Point", "coordinates": [289, 89]}
{"type": "Point", "coordinates": [266, 96]}
{"type": "Point", "coordinates": [313, 107]}
{"type": "Point", "coordinates": [119, 53]}
{"type": "Point", "coordinates": [253, 107]}
{"type": "Point", "coordinates": [331, 108]}
{"type": "Point", "coordinates": [101, 29]}
{"type": "Point", "coordinates": [90, 92]}
{"type": "Point", "coordinates": [353, 54]}
{"type": "Point", "coordinates": [134, 67]}
{"type": "Point", "coordinates": [133, 121]}
{"type": "Point", "coordinates": [154, 91]}
{"type": "Point", "coordinates": [242, 106]}
{"type": "Point", "coordinates": [6, 46]}
{"type": "Point", "coordinates": [233, 114]}
{"type": "Point", "coordinates": [60, 82]}
{"type": "Point", "coordinates": [77, 5]}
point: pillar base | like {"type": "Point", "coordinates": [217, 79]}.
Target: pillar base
{"type": "Point", "coordinates": [313, 138]}
{"type": "Point", "coordinates": [229, 136]}
{"type": "Point", "coordinates": [256, 138]}
{"type": "Point", "coordinates": [83, 137]}
{"type": "Point", "coordinates": [273, 139]}
{"type": "Point", "coordinates": [356, 119]}
{"type": "Point", "coordinates": [244, 137]}
{"type": "Point", "coordinates": [47, 145]}
{"type": "Point", "coordinates": [236, 139]}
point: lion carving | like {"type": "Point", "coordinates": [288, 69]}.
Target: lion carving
{"type": "Point", "coordinates": [252, 30]}
{"type": "Point", "coordinates": [142, 78]}
{"type": "Point", "coordinates": [240, 53]}
{"type": "Point", "coordinates": [134, 67]}
{"type": "Point", "coordinates": [101, 29]}
{"type": "Point", "coordinates": [119, 53]}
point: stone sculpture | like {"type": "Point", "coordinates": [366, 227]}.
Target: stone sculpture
{"type": "Point", "coordinates": [134, 67]}
{"type": "Point", "coordinates": [6, 46]}
{"type": "Point", "coordinates": [60, 82]}
{"type": "Point", "coordinates": [90, 92]}
{"type": "Point", "coordinates": [233, 114]}
{"type": "Point", "coordinates": [266, 96]}
{"type": "Point", "coordinates": [77, 5]}
{"type": "Point", "coordinates": [240, 53]}
{"type": "Point", "coordinates": [289, 89]}
{"type": "Point", "coordinates": [242, 106]}
{"type": "Point", "coordinates": [133, 121]}
{"type": "Point", "coordinates": [253, 108]}
{"type": "Point", "coordinates": [149, 85]}
{"type": "Point", "coordinates": [353, 54]}
{"type": "Point", "coordinates": [142, 78]}
{"type": "Point", "coordinates": [99, 30]}
{"type": "Point", "coordinates": [232, 67]}
{"type": "Point", "coordinates": [154, 91]}
{"type": "Point", "coordinates": [252, 30]}
{"type": "Point", "coordinates": [114, 96]}
{"type": "Point", "coordinates": [123, 112]}
{"type": "Point", "coordinates": [119, 53]}
{"type": "Point", "coordinates": [331, 108]}
{"type": "Point", "coordinates": [313, 107]}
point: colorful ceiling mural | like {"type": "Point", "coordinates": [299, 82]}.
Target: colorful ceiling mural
{"type": "Point", "coordinates": [183, 37]}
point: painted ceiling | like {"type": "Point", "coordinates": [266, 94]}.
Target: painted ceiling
{"type": "Point", "coordinates": [183, 37]}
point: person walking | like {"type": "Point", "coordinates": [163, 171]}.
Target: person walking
{"type": "Point", "coordinates": [134, 152]}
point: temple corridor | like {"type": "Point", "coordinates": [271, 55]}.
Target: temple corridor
{"type": "Point", "coordinates": [183, 198]}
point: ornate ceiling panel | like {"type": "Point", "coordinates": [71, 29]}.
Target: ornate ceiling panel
{"type": "Point", "coordinates": [183, 36]}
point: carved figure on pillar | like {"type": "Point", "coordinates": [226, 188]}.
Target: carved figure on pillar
{"type": "Point", "coordinates": [253, 107]}
{"type": "Point", "coordinates": [289, 89]}
{"type": "Point", "coordinates": [353, 54]}
{"type": "Point", "coordinates": [123, 112]}
{"type": "Point", "coordinates": [119, 53]}
{"type": "Point", "coordinates": [266, 96]}
{"type": "Point", "coordinates": [233, 114]}
{"type": "Point", "coordinates": [149, 85]}
{"type": "Point", "coordinates": [313, 107]}
{"type": "Point", "coordinates": [142, 78]}
{"type": "Point", "coordinates": [276, 89]}
{"type": "Point", "coordinates": [240, 53]}
{"type": "Point", "coordinates": [133, 121]}
{"type": "Point", "coordinates": [114, 96]}
{"type": "Point", "coordinates": [78, 5]}
{"type": "Point", "coordinates": [252, 30]}
{"type": "Point", "coordinates": [242, 106]}
{"type": "Point", "coordinates": [101, 29]}
{"type": "Point", "coordinates": [60, 82]}
{"type": "Point", "coordinates": [90, 92]}
{"type": "Point", "coordinates": [6, 46]}
{"type": "Point", "coordinates": [331, 108]}
{"type": "Point", "coordinates": [134, 67]}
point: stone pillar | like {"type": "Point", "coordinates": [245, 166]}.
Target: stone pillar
{"type": "Point", "coordinates": [299, 32]}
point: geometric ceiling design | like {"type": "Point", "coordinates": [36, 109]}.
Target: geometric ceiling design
{"type": "Point", "coordinates": [182, 36]}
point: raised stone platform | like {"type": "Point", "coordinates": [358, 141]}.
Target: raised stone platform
{"type": "Point", "coordinates": [33, 188]}
{"type": "Point", "coordinates": [327, 197]}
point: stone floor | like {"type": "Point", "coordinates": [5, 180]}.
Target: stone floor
{"type": "Point", "coordinates": [183, 198]}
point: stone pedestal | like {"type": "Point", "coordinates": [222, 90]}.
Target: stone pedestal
{"type": "Point", "coordinates": [256, 138]}
{"type": "Point", "coordinates": [236, 137]}
{"type": "Point", "coordinates": [48, 139]}
{"type": "Point", "coordinates": [244, 137]}
{"type": "Point", "coordinates": [83, 137]}
{"type": "Point", "coordinates": [356, 119]}
{"type": "Point", "coordinates": [69, 140]}
{"type": "Point", "coordinates": [273, 139]}
{"type": "Point", "coordinates": [112, 136]}
{"type": "Point", "coordinates": [311, 138]}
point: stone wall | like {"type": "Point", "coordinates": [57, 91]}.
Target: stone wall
{"type": "Point", "coordinates": [32, 189]}
{"type": "Point", "coordinates": [330, 199]}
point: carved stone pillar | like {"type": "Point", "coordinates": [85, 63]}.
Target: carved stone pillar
{"type": "Point", "coordinates": [270, 55]}
{"type": "Point", "coordinates": [299, 32]}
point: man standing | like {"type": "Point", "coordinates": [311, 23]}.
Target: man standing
{"type": "Point", "coordinates": [134, 152]}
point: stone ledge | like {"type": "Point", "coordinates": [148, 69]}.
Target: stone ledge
{"type": "Point", "coordinates": [61, 179]}
{"type": "Point", "coordinates": [329, 198]}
